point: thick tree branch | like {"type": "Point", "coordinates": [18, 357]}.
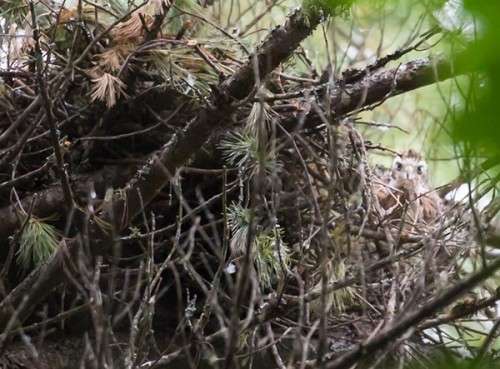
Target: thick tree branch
{"type": "Point", "coordinates": [369, 90]}
{"type": "Point", "coordinates": [376, 88]}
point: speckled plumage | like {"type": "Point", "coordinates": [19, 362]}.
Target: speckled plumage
{"type": "Point", "coordinates": [405, 187]}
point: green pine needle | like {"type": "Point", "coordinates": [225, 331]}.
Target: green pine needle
{"type": "Point", "coordinates": [13, 11]}
{"type": "Point", "coordinates": [270, 254]}
{"type": "Point", "coordinates": [241, 151]}
{"type": "Point", "coordinates": [38, 242]}
{"type": "Point", "coordinates": [239, 221]}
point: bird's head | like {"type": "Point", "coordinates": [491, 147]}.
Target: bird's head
{"type": "Point", "coordinates": [409, 168]}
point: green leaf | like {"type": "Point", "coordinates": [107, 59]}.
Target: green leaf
{"type": "Point", "coordinates": [476, 124]}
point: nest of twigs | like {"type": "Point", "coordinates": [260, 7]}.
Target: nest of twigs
{"type": "Point", "coordinates": [272, 234]}
{"type": "Point", "coordinates": [337, 255]}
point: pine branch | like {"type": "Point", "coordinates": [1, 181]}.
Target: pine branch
{"type": "Point", "coordinates": [149, 181]}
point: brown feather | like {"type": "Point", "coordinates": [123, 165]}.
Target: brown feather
{"type": "Point", "coordinates": [407, 187]}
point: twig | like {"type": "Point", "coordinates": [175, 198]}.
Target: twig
{"type": "Point", "coordinates": [54, 135]}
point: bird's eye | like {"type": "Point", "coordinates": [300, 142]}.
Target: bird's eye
{"type": "Point", "coordinates": [420, 169]}
{"type": "Point", "coordinates": [399, 166]}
